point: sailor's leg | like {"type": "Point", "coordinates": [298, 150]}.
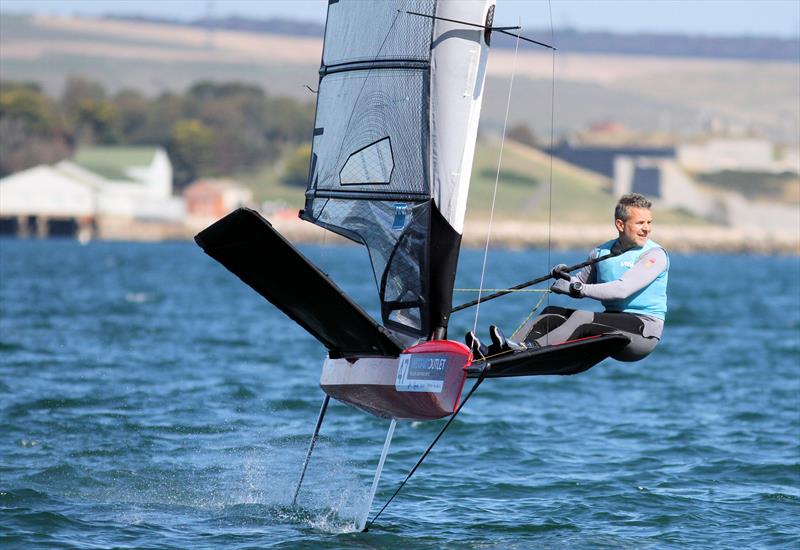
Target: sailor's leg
{"type": "Point", "coordinates": [639, 348]}
{"type": "Point", "coordinates": [566, 329]}
{"type": "Point", "coordinates": [631, 326]}
{"type": "Point", "coordinates": [378, 471]}
{"type": "Point", "coordinates": [549, 319]}
{"type": "Point", "coordinates": [313, 442]}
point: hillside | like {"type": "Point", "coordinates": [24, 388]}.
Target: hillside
{"type": "Point", "coordinates": [523, 194]}
{"type": "Point", "coordinates": [667, 94]}
{"type": "Point", "coordinates": [568, 39]}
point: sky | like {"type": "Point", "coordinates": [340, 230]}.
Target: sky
{"type": "Point", "coordinates": [774, 18]}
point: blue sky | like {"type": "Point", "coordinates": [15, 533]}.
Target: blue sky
{"type": "Point", "coordinates": [780, 18]}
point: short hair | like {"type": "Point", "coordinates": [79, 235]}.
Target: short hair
{"type": "Point", "coordinates": [630, 200]}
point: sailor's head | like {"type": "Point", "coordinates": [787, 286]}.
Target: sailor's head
{"type": "Point", "coordinates": [633, 219]}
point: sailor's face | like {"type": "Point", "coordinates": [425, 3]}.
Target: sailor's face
{"type": "Point", "coordinates": [636, 230]}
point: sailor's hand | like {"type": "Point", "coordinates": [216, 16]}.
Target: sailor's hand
{"type": "Point", "coordinates": [560, 287]}
{"type": "Point", "coordinates": [560, 272]}
{"type": "Point", "coordinates": [574, 288]}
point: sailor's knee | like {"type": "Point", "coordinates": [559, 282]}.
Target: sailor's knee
{"type": "Point", "coordinates": [581, 316]}
{"type": "Point", "coordinates": [638, 349]}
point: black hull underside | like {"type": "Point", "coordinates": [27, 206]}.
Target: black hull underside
{"type": "Point", "coordinates": [568, 358]}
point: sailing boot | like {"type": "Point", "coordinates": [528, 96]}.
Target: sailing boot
{"type": "Point", "coordinates": [500, 343]}
{"type": "Point", "coordinates": [479, 351]}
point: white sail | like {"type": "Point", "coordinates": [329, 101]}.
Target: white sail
{"type": "Point", "coordinates": [458, 72]}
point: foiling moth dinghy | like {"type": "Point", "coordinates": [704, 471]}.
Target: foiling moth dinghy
{"type": "Point", "coordinates": [398, 103]}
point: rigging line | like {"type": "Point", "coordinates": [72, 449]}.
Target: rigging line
{"type": "Point", "coordinates": [501, 289]}
{"type": "Point", "coordinates": [552, 131]}
{"type": "Point", "coordinates": [531, 314]}
{"type": "Point", "coordinates": [538, 280]}
{"type": "Point", "coordinates": [478, 25]}
{"type": "Point", "coordinates": [496, 182]}
{"type": "Point", "coordinates": [531, 40]}
{"type": "Point", "coordinates": [480, 379]}
{"type": "Point", "coordinates": [502, 30]}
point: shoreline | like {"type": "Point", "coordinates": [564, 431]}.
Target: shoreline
{"type": "Point", "coordinates": [505, 234]}
{"type": "Point", "coordinates": [519, 235]}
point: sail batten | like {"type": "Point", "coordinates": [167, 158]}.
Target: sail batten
{"type": "Point", "coordinates": [395, 127]}
{"type": "Point", "coordinates": [368, 65]}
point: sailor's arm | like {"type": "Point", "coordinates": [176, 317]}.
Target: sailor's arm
{"type": "Point", "coordinates": [649, 266]}
{"type": "Point", "coordinates": [588, 273]}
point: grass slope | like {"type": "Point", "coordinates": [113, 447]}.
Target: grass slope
{"type": "Point", "coordinates": [523, 194]}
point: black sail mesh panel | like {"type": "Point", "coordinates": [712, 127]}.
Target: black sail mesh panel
{"type": "Point", "coordinates": [396, 236]}
{"type": "Point", "coordinates": [404, 288]}
{"type": "Point", "coordinates": [369, 115]}
{"type": "Point", "coordinates": [370, 175]}
{"type": "Point", "coordinates": [367, 31]}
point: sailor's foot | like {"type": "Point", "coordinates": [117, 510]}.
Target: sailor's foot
{"type": "Point", "coordinates": [530, 344]}
{"type": "Point", "coordinates": [500, 343]}
{"type": "Point", "coordinates": [479, 351]}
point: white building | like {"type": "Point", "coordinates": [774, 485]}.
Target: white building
{"type": "Point", "coordinates": [46, 191]}
{"type": "Point", "coordinates": [738, 154]}
{"type": "Point", "coordinates": [99, 183]}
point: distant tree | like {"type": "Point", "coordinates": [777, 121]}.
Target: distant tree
{"type": "Point", "coordinates": [522, 133]}
{"type": "Point", "coordinates": [132, 108]}
{"type": "Point", "coordinates": [91, 116]}
{"type": "Point", "coordinates": [213, 128]}
{"type": "Point", "coordinates": [29, 104]}
{"type": "Point", "coordinates": [295, 171]}
{"type": "Point", "coordinates": [20, 148]}
{"type": "Point", "coordinates": [239, 140]}
{"type": "Point", "coordinates": [163, 113]}
{"type": "Point", "coordinates": [31, 128]}
{"type": "Point", "coordinates": [96, 121]}
{"type": "Point", "coordinates": [206, 90]}
{"type": "Point", "coordinates": [190, 150]}
{"type": "Point", "coordinates": [78, 89]}
{"type": "Point", "coordinates": [289, 120]}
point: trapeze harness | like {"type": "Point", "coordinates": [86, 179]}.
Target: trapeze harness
{"type": "Point", "coordinates": [633, 289]}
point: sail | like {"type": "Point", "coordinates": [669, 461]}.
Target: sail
{"type": "Point", "coordinates": [394, 135]}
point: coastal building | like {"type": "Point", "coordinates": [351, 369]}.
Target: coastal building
{"type": "Point", "coordinates": [672, 186]}
{"type": "Point", "coordinates": [600, 158]}
{"type": "Point", "coordinates": [44, 201]}
{"type": "Point", "coordinates": [207, 200]}
{"type": "Point", "coordinates": [732, 154]}
{"type": "Point", "coordinates": [100, 190]}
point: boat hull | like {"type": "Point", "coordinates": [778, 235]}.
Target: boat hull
{"type": "Point", "coordinates": [423, 383]}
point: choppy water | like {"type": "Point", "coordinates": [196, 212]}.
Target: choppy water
{"type": "Point", "coordinates": [149, 399]}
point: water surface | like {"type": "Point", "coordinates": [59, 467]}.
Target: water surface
{"type": "Point", "coordinates": [149, 399]}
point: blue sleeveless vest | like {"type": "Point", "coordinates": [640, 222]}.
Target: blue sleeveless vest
{"type": "Point", "coordinates": [651, 300]}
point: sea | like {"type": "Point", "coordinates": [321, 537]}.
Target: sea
{"type": "Point", "coordinates": [150, 399]}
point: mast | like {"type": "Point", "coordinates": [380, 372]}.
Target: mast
{"type": "Point", "coordinates": [458, 71]}
{"type": "Point", "coordinates": [396, 121]}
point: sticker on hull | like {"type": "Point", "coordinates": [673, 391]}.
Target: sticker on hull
{"type": "Point", "coordinates": [421, 373]}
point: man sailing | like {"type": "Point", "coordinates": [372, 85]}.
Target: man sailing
{"type": "Point", "coordinates": [632, 286]}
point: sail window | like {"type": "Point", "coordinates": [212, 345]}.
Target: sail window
{"type": "Point", "coordinates": [369, 165]}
